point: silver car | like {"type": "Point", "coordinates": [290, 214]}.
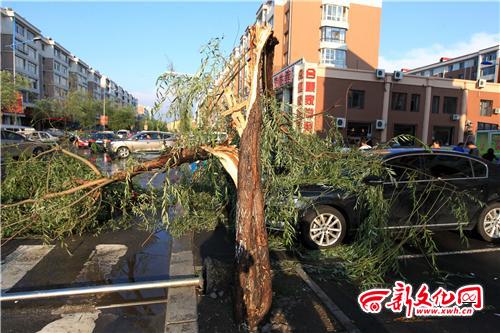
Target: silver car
{"type": "Point", "coordinates": [42, 136]}
{"type": "Point", "coordinates": [16, 145]}
{"type": "Point", "coordinates": [146, 141]}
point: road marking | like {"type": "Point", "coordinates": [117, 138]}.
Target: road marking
{"type": "Point", "coordinates": [20, 262]}
{"type": "Point", "coordinates": [83, 322]}
{"type": "Point", "coordinates": [450, 253]}
{"type": "Point", "coordinates": [99, 264]}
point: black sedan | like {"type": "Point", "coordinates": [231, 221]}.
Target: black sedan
{"type": "Point", "coordinates": [328, 214]}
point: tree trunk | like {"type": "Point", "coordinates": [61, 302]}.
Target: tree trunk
{"type": "Point", "coordinates": [253, 271]}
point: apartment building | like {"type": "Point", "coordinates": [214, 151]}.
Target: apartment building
{"type": "Point", "coordinates": [52, 70]}
{"type": "Point", "coordinates": [94, 84]}
{"type": "Point", "coordinates": [480, 65]}
{"type": "Point", "coordinates": [55, 65]}
{"type": "Point", "coordinates": [79, 75]}
{"type": "Point", "coordinates": [325, 74]}
{"type": "Point", "coordinates": [20, 54]}
{"type": "Point", "coordinates": [336, 33]}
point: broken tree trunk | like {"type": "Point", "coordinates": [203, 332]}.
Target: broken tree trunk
{"type": "Point", "coordinates": [253, 270]}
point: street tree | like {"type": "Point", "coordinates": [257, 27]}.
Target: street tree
{"type": "Point", "coordinates": [252, 176]}
{"type": "Point", "coordinates": [10, 88]}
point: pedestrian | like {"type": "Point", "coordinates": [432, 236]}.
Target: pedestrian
{"type": "Point", "coordinates": [363, 145]}
{"type": "Point", "coordinates": [459, 147]}
{"type": "Point", "coordinates": [490, 156]}
{"type": "Point", "coordinates": [436, 144]}
{"type": "Point", "coordinates": [472, 148]}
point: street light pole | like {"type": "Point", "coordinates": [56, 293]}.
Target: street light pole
{"type": "Point", "coordinates": [103, 87]}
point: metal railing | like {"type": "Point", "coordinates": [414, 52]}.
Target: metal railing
{"type": "Point", "coordinates": [37, 294]}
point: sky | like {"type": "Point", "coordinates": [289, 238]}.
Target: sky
{"type": "Point", "coordinates": [134, 42]}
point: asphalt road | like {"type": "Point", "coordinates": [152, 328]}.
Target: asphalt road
{"type": "Point", "coordinates": [461, 264]}
{"type": "Point", "coordinates": [113, 257]}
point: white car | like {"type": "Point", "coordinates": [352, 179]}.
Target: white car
{"type": "Point", "coordinates": [42, 136]}
{"type": "Point", "coordinates": [123, 134]}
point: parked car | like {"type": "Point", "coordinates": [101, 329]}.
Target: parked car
{"type": "Point", "coordinates": [327, 214]}
{"type": "Point", "coordinates": [123, 134]}
{"type": "Point", "coordinates": [103, 139]}
{"type": "Point", "coordinates": [55, 132]}
{"type": "Point", "coordinates": [83, 140]}
{"type": "Point", "coordinates": [18, 128]}
{"type": "Point", "coordinates": [146, 141]}
{"type": "Point", "coordinates": [16, 145]}
{"type": "Point", "coordinates": [42, 137]}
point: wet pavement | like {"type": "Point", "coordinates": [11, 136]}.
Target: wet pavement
{"type": "Point", "coordinates": [461, 263]}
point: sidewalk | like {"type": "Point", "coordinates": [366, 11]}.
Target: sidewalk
{"type": "Point", "coordinates": [295, 307]}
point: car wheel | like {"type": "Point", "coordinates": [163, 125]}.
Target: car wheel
{"type": "Point", "coordinates": [37, 151]}
{"type": "Point", "coordinates": [488, 225]}
{"type": "Point", "coordinates": [323, 227]}
{"type": "Point", "coordinates": [123, 152]}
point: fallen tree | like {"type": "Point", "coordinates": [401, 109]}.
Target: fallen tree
{"type": "Point", "coordinates": [256, 171]}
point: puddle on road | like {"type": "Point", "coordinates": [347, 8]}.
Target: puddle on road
{"type": "Point", "coordinates": [148, 263]}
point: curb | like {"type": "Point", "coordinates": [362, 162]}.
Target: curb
{"type": "Point", "coordinates": [182, 311]}
{"type": "Point", "coordinates": [333, 308]}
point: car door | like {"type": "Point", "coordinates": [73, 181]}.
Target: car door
{"type": "Point", "coordinates": [141, 143]}
{"type": "Point", "coordinates": [155, 142]}
{"type": "Point", "coordinates": [455, 182]}
{"type": "Point", "coordinates": [13, 144]}
{"type": "Point", "coordinates": [404, 190]}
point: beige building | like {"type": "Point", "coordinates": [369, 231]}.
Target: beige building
{"type": "Point", "coordinates": [51, 69]}
{"type": "Point", "coordinates": [481, 65]}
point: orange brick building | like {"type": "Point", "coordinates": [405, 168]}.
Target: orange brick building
{"type": "Point", "coordinates": [326, 63]}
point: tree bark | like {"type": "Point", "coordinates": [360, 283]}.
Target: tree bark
{"type": "Point", "coordinates": [253, 272]}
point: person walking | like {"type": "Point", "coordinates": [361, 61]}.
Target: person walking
{"type": "Point", "coordinates": [490, 156]}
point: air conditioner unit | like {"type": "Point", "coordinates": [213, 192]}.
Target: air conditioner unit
{"type": "Point", "coordinates": [455, 117]}
{"type": "Point", "coordinates": [481, 83]}
{"type": "Point", "coordinates": [341, 122]}
{"type": "Point", "coordinates": [380, 73]}
{"type": "Point", "coordinates": [397, 75]}
{"type": "Point", "coordinates": [496, 111]}
{"type": "Point", "coordinates": [380, 124]}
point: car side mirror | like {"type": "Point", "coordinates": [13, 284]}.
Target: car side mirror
{"type": "Point", "coordinates": [373, 180]}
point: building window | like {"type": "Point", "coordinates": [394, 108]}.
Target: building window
{"type": "Point", "coordinates": [435, 104]}
{"type": "Point", "coordinates": [486, 107]}
{"type": "Point", "coordinates": [31, 68]}
{"type": "Point", "coordinates": [488, 71]}
{"type": "Point", "coordinates": [443, 134]}
{"type": "Point", "coordinates": [401, 129]}
{"type": "Point", "coordinates": [20, 62]}
{"type": "Point", "coordinates": [333, 57]}
{"type": "Point", "coordinates": [487, 126]}
{"type": "Point", "coordinates": [331, 34]}
{"type": "Point", "coordinates": [462, 65]}
{"type": "Point", "coordinates": [450, 105]}
{"type": "Point", "coordinates": [31, 52]}
{"type": "Point", "coordinates": [20, 30]}
{"type": "Point", "coordinates": [335, 13]}
{"type": "Point", "coordinates": [456, 66]}
{"type": "Point", "coordinates": [398, 102]}
{"type": "Point", "coordinates": [415, 103]}
{"type": "Point", "coordinates": [356, 99]}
